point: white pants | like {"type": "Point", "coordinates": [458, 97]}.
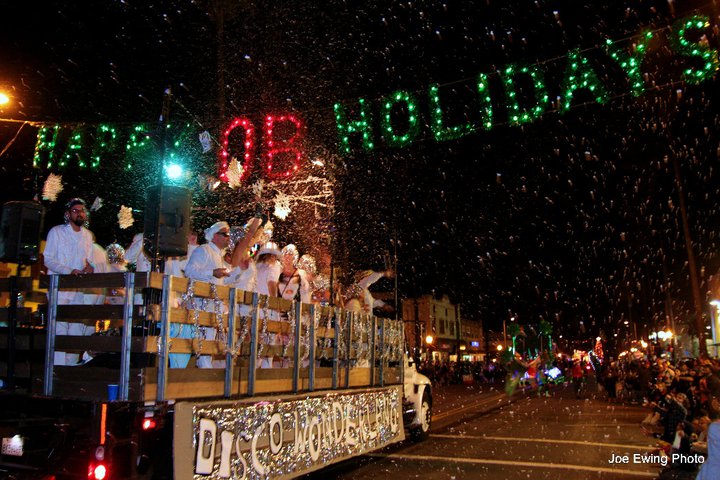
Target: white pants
{"type": "Point", "coordinates": [72, 328]}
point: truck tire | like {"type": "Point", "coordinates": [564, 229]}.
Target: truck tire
{"type": "Point", "coordinates": [422, 431]}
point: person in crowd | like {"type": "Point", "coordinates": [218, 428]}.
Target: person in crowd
{"type": "Point", "coordinates": [293, 283]}
{"type": "Point", "coordinates": [69, 250]}
{"type": "Point", "coordinates": [207, 264]}
{"type": "Point", "coordinates": [577, 377]}
{"type": "Point", "coordinates": [711, 468]}
{"type": "Point", "coordinates": [676, 414]}
{"type": "Point", "coordinates": [610, 382]}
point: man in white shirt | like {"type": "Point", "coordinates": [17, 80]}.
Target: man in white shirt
{"type": "Point", "coordinates": [207, 264]}
{"type": "Point", "coordinates": [69, 250]}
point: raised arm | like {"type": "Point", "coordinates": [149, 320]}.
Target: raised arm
{"type": "Point", "coordinates": [240, 255]}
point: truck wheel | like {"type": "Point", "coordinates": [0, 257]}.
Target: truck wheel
{"type": "Point", "coordinates": [422, 431]}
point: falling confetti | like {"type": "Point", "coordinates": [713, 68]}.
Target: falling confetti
{"type": "Point", "coordinates": [125, 217]}
{"type": "Point", "coordinates": [52, 187]}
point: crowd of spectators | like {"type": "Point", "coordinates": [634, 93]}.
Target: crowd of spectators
{"type": "Point", "coordinates": [446, 372]}
{"type": "Point", "coordinates": [683, 400]}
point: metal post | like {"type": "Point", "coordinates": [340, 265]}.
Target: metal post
{"type": "Point", "coordinates": [296, 346]}
{"type": "Point", "coordinates": [382, 352]}
{"type": "Point", "coordinates": [311, 340]}
{"type": "Point", "coordinates": [253, 345]}
{"type": "Point", "coordinates": [229, 359]}
{"type": "Point", "coordinates": [164, 117]}
{"type": "Point", "coordinates": [12, 320]}
{"type": "Point", "coordinates": [50, 334]}
{"type": "Point", "coordinates": [336, 347]}
{"type": "Point", "coordinates": [401, 363]}
{"type": "Point", "coordinates": [163, 350]}
{"type": "Point", "coordinates": [127, 337]}
{"type": "Point", "coordinates": [372, 337]}
{"type": "Point", "coordinates": [349, 319]}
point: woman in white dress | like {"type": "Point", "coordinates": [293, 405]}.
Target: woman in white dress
{"type": "Point", "coordinates": [268, 271]}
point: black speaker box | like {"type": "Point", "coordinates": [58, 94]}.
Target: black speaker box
{"type": "Point", "coordinates": [20, 229]}
{"type": "Point", "coordinates": [169, 215]}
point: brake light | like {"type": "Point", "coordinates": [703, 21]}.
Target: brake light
{"type": "Point", "coordinates": [98, 471]}
{"type": "Point", "coordinates": [148, 424]}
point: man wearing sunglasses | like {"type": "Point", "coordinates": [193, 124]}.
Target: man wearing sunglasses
{"type": "Point", "coordinates": [206, 262]}
{"type": "Point", "coordinates": [207, 265]}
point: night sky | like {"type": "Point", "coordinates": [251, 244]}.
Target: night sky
{"type": "Point", "coordinates": [573, 217]}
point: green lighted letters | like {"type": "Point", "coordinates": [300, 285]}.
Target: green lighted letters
{"type": "Point", "coordinates": [105, 142]}
{"type": "Point", "coordinates": [74, 149]}
{"type": "Point", "coordinates": [631, 63]}
{"type": "Point", "coordinates": [45, 146]}
{"type": "Point", "coordinates": [580, 75]}
{"type": "Point", "coordinates": [517, 115]}
{"type": "Point", "coordinates": [440, 132]}
{"type": "Point", "coordinates": [347, 127]}
{"type": "Point", "coordinates": [413, 127]}
{"type": "Point", "coordinates": [485, 101]}
{"type": "Point", "coordinates": [699, 50]}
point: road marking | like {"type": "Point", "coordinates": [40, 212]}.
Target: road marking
{"type": "Point", "coordinates": [534, 465]}
{"type": "Point", "coordinates": [497, 399]}
{"type": "Point", "coordinates": [546, 440]}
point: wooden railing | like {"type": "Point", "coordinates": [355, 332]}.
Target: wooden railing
{"type": "Point", "coordinates": [313, 347]}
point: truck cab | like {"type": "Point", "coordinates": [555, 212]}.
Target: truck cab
{"type": "Point", "coordinates": [417, 397]}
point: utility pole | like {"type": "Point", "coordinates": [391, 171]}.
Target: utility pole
{"type": "Point", "coordinates": [694, 283]}
{"type": "Point", "coordinates": [164, 116]}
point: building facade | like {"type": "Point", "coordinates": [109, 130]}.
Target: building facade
{"type": "Point", "coordinates": [434, 329]}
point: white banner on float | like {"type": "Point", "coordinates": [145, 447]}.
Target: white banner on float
{"type": "Point", "coordinates": [283, 437]}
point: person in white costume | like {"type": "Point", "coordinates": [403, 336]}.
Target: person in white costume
{"type": "Point", "coordinates": [366, 278]}
{"type": "Point", "coordinates": [243, 271]}
{"type": "Point", "coordinates": [175, 266]}
{"type": "Point", "coordinates": [135, 253]}
{"type": "Point", "coordinates": [293, 283]}
{"type": "Point", "coordinates": [69, 250]}
{"type": "Point", "coordinates": [206, 264]}
{"type": "Point", "coordinates": [116, 264]}
{"type": "Point", "coordinates": [268, 272]}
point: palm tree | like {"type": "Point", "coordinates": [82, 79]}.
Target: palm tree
{"type": "Point", "coordinates": [514, 331]}
{"type": "Point", "coordinates": [546, 328]}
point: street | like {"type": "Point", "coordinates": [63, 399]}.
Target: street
{"type": "Point", "coordinates": [482, 435]}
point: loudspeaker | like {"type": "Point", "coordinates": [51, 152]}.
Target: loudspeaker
{"type": "Point", "coordinates": [20, 229]}
{"type": "Point", "coordinates": [169, 215]}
